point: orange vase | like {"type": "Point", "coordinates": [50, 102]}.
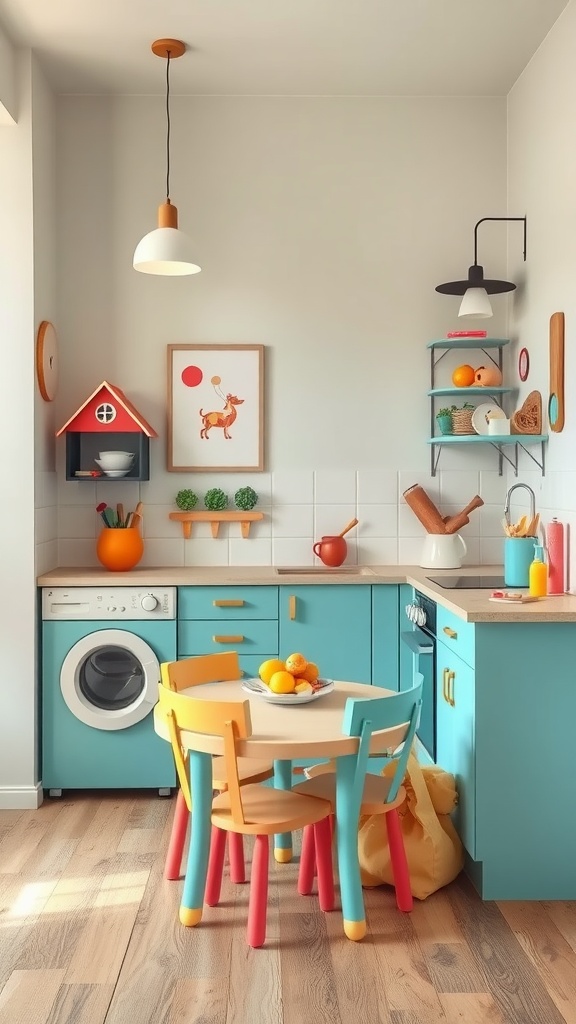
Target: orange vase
{"type": "Point", "coordinates": [119, 550]}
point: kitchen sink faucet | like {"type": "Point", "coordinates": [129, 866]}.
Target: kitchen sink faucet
{"type": "Point", "coordinates": [507, 503]}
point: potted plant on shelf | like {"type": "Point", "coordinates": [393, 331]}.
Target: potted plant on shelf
{"type": "Point", "coordinates": [186, 500]}
{"type": "Point", "coordinates": [245, 499]}
{"type": "Point", "coordinates": [444, 418]}
{"type": "Point", "coordinates": [216, 500]}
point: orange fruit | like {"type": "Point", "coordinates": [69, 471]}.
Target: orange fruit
{"type": "Point", "coordinates": [268, 668]}
{"type": "Point", "coordinates": [463, 376]}
{"type": "Point", "coordinates": [302, 686]}
{"type": "Point", "coordinates": [311, 672]}
{"type": "Point", "coordinates": [282, 682]}
{"type": "Point", "coordinates": [296, 663]}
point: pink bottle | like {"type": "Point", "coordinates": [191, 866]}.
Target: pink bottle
{"type": "Point", "coordinates": [555, 536]}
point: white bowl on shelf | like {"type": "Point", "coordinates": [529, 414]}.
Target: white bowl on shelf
{"type": "Point", "coordinates": [115, 460]}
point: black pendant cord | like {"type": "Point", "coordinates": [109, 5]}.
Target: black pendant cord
{"type": "Point", "coordinates": [495, 218]}
{"type": "Point", "coordinates": [168, 127]}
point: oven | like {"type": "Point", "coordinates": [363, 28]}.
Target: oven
{"type": "Point", "coordinates": [418, 654]}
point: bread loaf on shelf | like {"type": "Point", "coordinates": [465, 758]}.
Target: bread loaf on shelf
{"type": "Point", "coordinates": [528, 418]}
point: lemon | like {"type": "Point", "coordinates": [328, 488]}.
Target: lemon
{"type": "Point", "coordinates": [268, 668]}
{"type": "Point", "coordinates": [303, 686]}
{"type": "Point", "coordinates": [296, 663]}
{"type": "Point", "coordinates": [282, 682]}
{"type": "Point", "coordinates": [311, 672]}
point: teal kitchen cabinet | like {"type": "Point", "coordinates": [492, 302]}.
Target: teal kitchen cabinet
{"type": "Point", "coordinates": [385, 632]}
{"type": "Point", "coordinates": [455, 736]}
{"type": "Point", "coordinates": [229, 618]}
{"type": "Point", "coordinates": [330, 625]}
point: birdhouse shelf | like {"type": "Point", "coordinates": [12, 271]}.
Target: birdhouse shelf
{"type": "Point", "coordinates": [215, 518]}
{"type": "Point", "coordinates": [106, 421]}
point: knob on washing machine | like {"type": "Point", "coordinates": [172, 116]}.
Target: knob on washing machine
{"type": "Point", "coordinates": [149, 602]}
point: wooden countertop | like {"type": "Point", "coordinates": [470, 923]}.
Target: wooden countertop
{"type": "Point", "coordinates": [470, 605]}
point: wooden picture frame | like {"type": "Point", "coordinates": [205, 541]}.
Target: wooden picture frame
{"type": "Point", "coordinates": [215, 408]}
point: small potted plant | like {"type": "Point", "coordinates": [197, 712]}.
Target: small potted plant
{"type": "Point", "coordinates": [215, 500]}
{"type": "Point", "coordinates": [444, 418]}
{"type": "Point", "coordinates": [186, 500]}
{"type": "Point", "coordinates": [245, 499]}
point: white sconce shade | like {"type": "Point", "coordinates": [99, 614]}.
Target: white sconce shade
{"type": "Point", "coordinates": [475, 303]}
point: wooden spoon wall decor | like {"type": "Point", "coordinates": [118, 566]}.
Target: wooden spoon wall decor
{"type": "Point", "coordinates": [556, 400]}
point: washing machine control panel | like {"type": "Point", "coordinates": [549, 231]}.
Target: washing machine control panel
{"type": "Point", "coordinates": [109, 603]}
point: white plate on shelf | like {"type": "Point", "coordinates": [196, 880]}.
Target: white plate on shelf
{"type": "Point", "coordinates": [483, 413]}
{"type": "Point", "coordinates": [116, 472]}
{"type": "Point", "coordinates": [257, 688]}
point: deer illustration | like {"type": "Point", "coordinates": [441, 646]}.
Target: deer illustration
{"type": "Point", "coordinates": [223, 419]}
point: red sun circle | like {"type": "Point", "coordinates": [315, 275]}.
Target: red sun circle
{"type": "Point", "coordinates": [192, 376]}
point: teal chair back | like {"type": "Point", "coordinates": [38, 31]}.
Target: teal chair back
{"type": "Point", "coordinates": [363, 717]}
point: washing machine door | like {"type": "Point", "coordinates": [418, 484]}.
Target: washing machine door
{"type": "Point", "coordinates": [109, 679]}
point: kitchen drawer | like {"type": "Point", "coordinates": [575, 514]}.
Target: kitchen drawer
{"type": "Point", "coordinates": [457, 635]}
{"type": "Point", "coordinates": [228, 602]}
{"type": "Point", "coordinates": [248, 637]}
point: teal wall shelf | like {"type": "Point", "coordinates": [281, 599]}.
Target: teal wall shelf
{"type": "Point", "coordinates": [479, 343]}
{"type": "Point", "coordinates": [473, 391]}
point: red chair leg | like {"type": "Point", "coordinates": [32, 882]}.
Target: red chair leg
{"type": "Point", "coordinates": [177, 839]}
{"type": "Point", "coordinates": [215, 866]}
{"type": "Point", "coordinates": [258, 903]}
{"type": "Point", "coordinates": [323, 845]}
{"type": "Point", "coordinates": [400, 871]}
{"type": "Point", "coordinates": [236, 856]}
{"type": "Point", "coordinates": [307, 862]}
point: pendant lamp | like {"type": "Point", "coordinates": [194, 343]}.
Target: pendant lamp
{"type": "Point", "coordinates": [476, 288]}
{"type": "Point", "coordinates": [166, 250]}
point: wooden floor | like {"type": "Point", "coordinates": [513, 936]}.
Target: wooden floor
{"type": "Point", "coordinates": [89, 934]}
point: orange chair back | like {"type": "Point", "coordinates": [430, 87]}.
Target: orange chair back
{"type": "Point", "coordinates": [206, 668]}
{"type": "Point", "coordinates": [229, 719]}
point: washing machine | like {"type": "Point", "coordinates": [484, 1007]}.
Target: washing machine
{"type": "Point", "coordinates": [101, 654]}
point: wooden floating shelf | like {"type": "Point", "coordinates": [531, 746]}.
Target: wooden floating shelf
{"type": "Point", "coordinates": [215, 518]}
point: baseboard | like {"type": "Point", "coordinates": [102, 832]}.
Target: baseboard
{"type": "Point", "coordinates": [23, 798]}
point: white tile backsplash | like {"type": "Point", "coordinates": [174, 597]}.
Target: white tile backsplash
{"type": "Point", "coordinates": [299, 506]}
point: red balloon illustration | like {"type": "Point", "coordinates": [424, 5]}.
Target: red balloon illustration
{"type": "Point", "coordinates": [192, 376]}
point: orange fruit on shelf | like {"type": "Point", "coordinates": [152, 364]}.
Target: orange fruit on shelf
{"type": "Point", "coordinates": [296, 663]}
{"type": "Point", "coordinates": [463, 376]}
{"type": "Point", "coordinates": [282, 682]}
{"type": "Point", "coordinates": [268, 668]}
{"type": "Point", "coordinates": [311, 672]}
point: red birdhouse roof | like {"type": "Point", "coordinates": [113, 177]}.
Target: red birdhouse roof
{"type": "Point", "coordinates": [127, 419]}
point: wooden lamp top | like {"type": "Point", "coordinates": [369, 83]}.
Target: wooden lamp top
{"type": "Point", "coordinates": [165, 47]}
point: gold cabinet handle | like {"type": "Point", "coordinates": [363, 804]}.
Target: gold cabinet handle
{"type": "Point", "coordinates": [292, 607]}
{"type": "Point", "coordinates": [228, 639]}
{"type": "Point", "coordinates": [444, 684]}
{"type": "Point", "coordinates": [450, 688]}
{"type": "Point", "coordinates": [220, 603]}
{"type": "Point", "coordinates": [450, 632]}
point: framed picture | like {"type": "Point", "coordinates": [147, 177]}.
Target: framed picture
{"type": "Point", "coordinates": [215, 408]}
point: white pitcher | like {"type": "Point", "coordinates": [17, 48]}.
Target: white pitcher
{"type": "Point", "coordinates": [443, 551]}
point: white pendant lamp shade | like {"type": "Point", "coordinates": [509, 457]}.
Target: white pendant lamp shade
{"type": "Point", "coordinates": [166, 250]}
{"type": "Point", "coordinates": [475, 303]}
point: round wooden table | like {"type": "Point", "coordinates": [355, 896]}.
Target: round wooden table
{"type": "Point", "coordinates": [282, 733]}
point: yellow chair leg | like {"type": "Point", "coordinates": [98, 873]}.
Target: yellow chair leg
{"type": "Point", "coordinates": [355, 930]}
{"type": "Point", "coordinates": [190, 917]}
{"type": "Point", "coordinates": [282, 854]}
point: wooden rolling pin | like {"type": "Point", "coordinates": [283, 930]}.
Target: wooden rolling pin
{"type": "Point", "coordinates": [424, 509]}
{"type": "Point", "coordinates": [454, 523]}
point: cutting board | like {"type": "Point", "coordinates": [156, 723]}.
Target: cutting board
{"type": "Point", "coordinates": [556, 400]}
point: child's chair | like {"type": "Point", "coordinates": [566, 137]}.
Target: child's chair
{"type": "Point", "coordinates": [177, 676]}
{"type": "Point", "coordinates": [373, 793]}
{"type": "Point", "coordinates": [255, 810]}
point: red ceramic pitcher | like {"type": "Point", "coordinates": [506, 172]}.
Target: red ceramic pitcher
{"type": "Point", "coordinates": [332, 550]}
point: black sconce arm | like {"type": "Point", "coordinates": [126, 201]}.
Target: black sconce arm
{"type": "Point", "coordinates": [523, 219]}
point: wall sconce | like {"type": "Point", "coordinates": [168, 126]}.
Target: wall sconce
{"type": "Point", "coordinates": [476, 289]}
{"type": "Point", "coordinates": [166, 250]}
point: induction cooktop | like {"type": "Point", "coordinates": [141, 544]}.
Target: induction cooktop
{"type": "Point", "coordinates": [468, 582]}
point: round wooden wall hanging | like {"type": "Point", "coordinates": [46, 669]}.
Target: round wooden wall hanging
{"type": "Point", "coordinates": [47, 360]}
{"type": "Point", "coordinates": [523, 364]}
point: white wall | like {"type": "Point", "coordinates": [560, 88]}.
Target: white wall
{"type": "Point", "coordinates": [542, 171]}
{"type": "Point", "coordinates": [323, 225]}
{"type": "Point", "coordinates": [8, 80]}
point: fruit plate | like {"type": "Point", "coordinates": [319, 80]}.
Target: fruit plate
{"type": "Point", "coordinates": [257, 687]}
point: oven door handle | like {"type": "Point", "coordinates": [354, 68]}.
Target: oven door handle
{"type": "Point", "coordinates": [418, 642]}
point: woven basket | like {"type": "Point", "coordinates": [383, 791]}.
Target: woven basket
{"type": "Point", "coordinates": [462, 421]}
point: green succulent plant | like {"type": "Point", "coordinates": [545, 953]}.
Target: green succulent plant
{"type": "Point", "coordinates": [444, 412]}
{"type": "Point", "coordinates": [245, 498]}
{"type": "Point", "coordinates": [186, 500]}
{"type": "Point", "coordinates": [216, 500]}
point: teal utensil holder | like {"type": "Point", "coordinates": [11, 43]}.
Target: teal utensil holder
{"type": "Point", "coordinates": [518, 555]}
